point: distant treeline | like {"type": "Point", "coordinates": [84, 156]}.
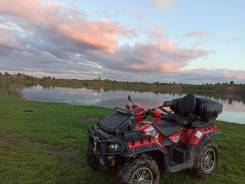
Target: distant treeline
{"type": "Point", "coordinates": [25, 80]}
{"type": "Point", "coordinates": [228, 90]}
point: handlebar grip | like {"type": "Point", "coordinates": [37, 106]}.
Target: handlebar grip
{"type": "Point", "coordinates": [167, 103]}
{"type": "Point", "coordinates": [164, 110]}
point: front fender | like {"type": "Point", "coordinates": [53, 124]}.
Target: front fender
{"type": "Point", "coordinates": [142, 150]}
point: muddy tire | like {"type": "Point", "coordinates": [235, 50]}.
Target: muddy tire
{"type": "Point", "coordinates": [138, 170]}
{"type": "Point", "coordinates": [92, 160]}
{"type": "Point", "coordinates": [207, 160]}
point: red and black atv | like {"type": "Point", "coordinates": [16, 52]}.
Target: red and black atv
{"type": "Point", "coordinates": [174, 140]}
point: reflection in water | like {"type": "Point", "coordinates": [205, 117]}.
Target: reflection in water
{"type": "Point", "coordinates": [233, 111]}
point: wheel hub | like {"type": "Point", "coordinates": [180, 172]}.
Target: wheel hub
{"type": "Point", "coordinates": [208, 161]}
{"type": "Point", "coordinates": [142, 176]}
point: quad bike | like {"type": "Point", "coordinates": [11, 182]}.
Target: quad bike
{"type": "Point", "coordinates": [173, 140]}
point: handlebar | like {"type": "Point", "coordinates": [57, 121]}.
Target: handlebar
{"type": "Point", "coordinates": [149, 111]}
{"type": "Point", "coordinates": [164, 110]}
{"type": "Point", "coordinates": [167, 103]}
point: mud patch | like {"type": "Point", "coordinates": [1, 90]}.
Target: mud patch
{"type": "Point", "coordinates": [28, 110]}
{"type": "Point", "coordinates": [9, 139]}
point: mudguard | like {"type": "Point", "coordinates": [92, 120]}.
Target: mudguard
{"type": "Point", "coordinates": [199, 134]}
{"type": "Point", "coordinates": [142, 150]}
{"type": "Point", "coordinates": [208, 136]}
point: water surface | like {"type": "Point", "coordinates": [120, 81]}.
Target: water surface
{"type": "Point", "coordinates": [234, 111]}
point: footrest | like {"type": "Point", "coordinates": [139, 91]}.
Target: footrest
{"type": "Point", "coordinates": [175, 167]}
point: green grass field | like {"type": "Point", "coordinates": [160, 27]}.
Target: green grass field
{"type": "Point", "coordinates": [49, 145]}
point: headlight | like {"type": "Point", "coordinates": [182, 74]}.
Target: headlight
{"type": "Point", "coordinates": [114, 147]}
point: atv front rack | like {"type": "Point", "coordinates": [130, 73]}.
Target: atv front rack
{"type": "Point", "coordinates": [124, 111]}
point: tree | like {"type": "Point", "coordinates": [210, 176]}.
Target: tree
{"type": "Point", "coordinates": [231, 82]}
{"type": "Point", "coordinates": [157, 82]}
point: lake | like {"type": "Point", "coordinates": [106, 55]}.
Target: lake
{"type": "Point", "coordinates": [234, 111]}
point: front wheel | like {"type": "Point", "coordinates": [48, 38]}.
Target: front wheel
{"type": "Point", "coordinates": [92, 160]}
{"type": "Point", "coordinates": [207, 160]}
{"type": "Point", "coordinates": [143, 170]}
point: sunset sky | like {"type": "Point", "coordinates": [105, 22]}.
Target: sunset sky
{"type": "Point", "coordinates": [189, 41]}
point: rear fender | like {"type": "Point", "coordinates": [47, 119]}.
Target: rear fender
{"type": "Point", "coordinates": [209, 136]}
{"type": "Point", "coordinates": [206, 138]}
{"type": "Point", "coordinates": [200, 135]}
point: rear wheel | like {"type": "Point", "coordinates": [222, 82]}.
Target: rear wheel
{"type": "Point", "coordinates": [207, 160]}
{"type": "Point", "coordinates": [92, 160]}
{"type": "Point", "coordinates": [142, 170]}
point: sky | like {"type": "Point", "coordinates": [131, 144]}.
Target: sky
{"type": "Point", "coordinates": [188, 41]}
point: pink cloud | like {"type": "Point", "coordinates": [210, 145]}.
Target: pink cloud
{"type": "Point", "coordinates": [159, 57]}
{"type": "Point", "coordinates": [157, 32]}
{"type": "Point", "coordinates": [102, 35]}
{"type": "Point", "coordinates": [60, 33]}
{"type": "Point", "coordinates": [98, 34]}
{"type": "Point", "coordinates": [230, 74]}
{"type": "Point", "coordinates": [29, 9]}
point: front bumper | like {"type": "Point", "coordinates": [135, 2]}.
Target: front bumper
{"type": "Point", "coordinates": [103, 143]}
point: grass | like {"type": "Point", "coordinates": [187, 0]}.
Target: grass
{"type": "Point", "coordinates": [49, 145]}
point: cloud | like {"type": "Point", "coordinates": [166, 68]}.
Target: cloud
{"type": "Point", "coordinates": [238, 75]}
{"type": "Point", "coordinates": [211, 75]}
{"type": "Point", "coordinates": [66, 22]}
{"type": "Point", "coordinates": [157, 32]}
{"type": "Point", "coordinates": [8, 41]}
{"type": "Point", "coordinates": [55, 33]}
{"type": "Point", "coordinates": [199, 34]}
{"type": "Point", "coordinates": [164, 4]}
{"type": "Point", "coordinates": [161, 57]}
{"type": "Point", "coordinates": [54, 39]}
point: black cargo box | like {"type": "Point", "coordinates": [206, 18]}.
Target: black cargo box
{"type": "Point", "coordinates": [208, 109]}
{"type": "Point", "coordinates": [119, 121]}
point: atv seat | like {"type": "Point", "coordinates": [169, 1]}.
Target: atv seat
{"type": "Point", "coordinates": [182, 109]}
{"type": "Point", "coordinates": [178, 118]}
{"type": "Point", "coordinates": [167, 128]}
